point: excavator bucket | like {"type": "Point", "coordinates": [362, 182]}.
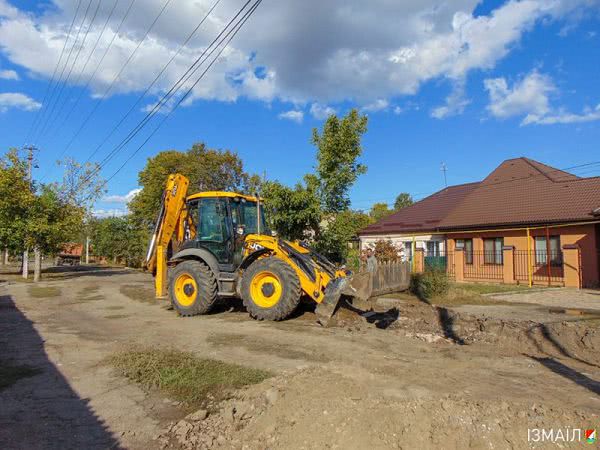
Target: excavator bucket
{"type": "Point", "coordinates": [358, 287]}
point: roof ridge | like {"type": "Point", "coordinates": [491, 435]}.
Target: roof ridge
{"type": "Point", "coordinates": [535, 164]}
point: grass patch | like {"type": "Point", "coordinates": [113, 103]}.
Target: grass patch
{"type": "Point", "coordinates": [183, 376]}
{"type": "Point", "coordinates": [9, 375]}
{"type": "Point", "coordinates": [482, 288]}
{"type": "Point", "coordinates": [44, 292]}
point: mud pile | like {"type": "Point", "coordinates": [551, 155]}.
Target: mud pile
{"type": "Point", "coordinates": [315, 409]}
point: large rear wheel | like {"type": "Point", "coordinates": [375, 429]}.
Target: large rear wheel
{"type": "Point", "coordinates": [192, 288]}
{"type": "Point", "coordinates": [270, 289]}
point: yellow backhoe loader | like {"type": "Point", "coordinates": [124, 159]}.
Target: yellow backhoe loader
{"type": "Point", "coordinates": [217, 244]}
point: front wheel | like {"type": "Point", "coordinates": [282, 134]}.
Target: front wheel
{"type": "Point", "coordinates": [192, 288]}
{"type": "Point", "coordinates": [270, 289]}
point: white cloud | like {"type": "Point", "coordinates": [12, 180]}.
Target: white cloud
{"type": "Point", "coordinates": [104, 213]}
{"type": "Point", "coordinates": [528, 96]}
{"type": "Point", "coordinates": [564, 117]}
{"type": "Point", "coordinates": [16, 100]}
{"type": "Point", "coordinates": [378, 105]}
{"type": "Point", "coordinates": [398, 110]}
{"type": "Point", "coordinates": [321, 112]}
{"type": "Point", "coordinates": [293, 115]}
{"type": "Point", "coordinates": [9, 75]}
{"type": "Point", "coordinates": [455, 102]}
{"type": "Point", "coordinates": [122, 198]}
{"type": "Point", "coordinates": [286, 51]}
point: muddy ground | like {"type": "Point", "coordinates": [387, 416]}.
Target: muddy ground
{"type": "Point", "coordinates": [407, 375]}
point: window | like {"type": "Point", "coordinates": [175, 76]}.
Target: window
{"type": "Point", "coordinates": [542, 248]}
{"type": "Point", "coordinates": [433, 248]}
{"type": "Point", "coordinates": [408, 251]}
{"type": "Point", "coordinates": [467, 246]}
{"type": "Point", "coordinates": [249, 210]}
{"type": "Point", "coordinates": [213, 226]}
{"type": "Point", "coordinates": [492, 250]}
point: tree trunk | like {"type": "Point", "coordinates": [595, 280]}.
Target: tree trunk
{"type": "Point", "coordinates": [5, 257]}
{"type": "Point", "coordinates": [25, 264]}
{"type": "Point", "coordinates": [37, 266]}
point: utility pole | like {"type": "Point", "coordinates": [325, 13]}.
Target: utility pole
{"type": "Point", "coordinates": [87, 250]}
{"type": "Point", "coordinates": [30, 158]}
{"type": "Point", "coordinates": [444, 169]}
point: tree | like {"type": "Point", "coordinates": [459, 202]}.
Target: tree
{"type": "Point", "coordinates": [379, 211]}
{"type": "Point", "coordinates": [338, 231]}
{"type": "Point", "coordinates": [81, 184]}
{"type": "Point", "coordinates": [386, 251]}
{"type": "Point", "coordinates": [207, 170]}
{"type": "Point", "coordinates": [339, 147]}
{"type": "Point", "coordinates": [403, 200]}
{"type": "Point", "coordinates": [294, 212]}
{"type": "Point", "coordinates": [15, 200]}
{"type": "Point", "coordinates": [119, 239]}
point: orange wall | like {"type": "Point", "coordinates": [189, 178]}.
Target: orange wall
{"type": "Point", "coordinates": [582, 235]}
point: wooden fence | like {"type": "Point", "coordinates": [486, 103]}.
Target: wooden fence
{"type": "Point", "coordinates": [391, 277]}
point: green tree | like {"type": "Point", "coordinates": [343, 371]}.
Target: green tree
{"type": "Point", "coordinates": [379, 211]}
{"type": "Point", "coordinates": [15, 200]}
{"type": "Point", "coordinates": [119, 239]}
{"type": "Point", "coordinates": [207, 170]}
{"type": "Point", "coordinates": [294, 212]}
{"type": "Point", "coordinates": [339, 147]}
{"type": "Point", "coordinates": [337, 232]}
{"type": "Point", "coordinates": [403, 200]}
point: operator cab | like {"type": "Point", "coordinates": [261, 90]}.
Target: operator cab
{"type": "Point", "coordinates": [219, 223]}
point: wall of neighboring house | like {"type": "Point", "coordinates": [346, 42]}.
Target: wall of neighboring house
{"type": "Point", "coordinates": [585, 236]}
{"type": "Point", "coordinates": [404, 243]}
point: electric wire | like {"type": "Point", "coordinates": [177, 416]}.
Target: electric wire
{"type": "Point", "coordinates": [51, 83]}
{"type": "Point", "coordinates": [54, 100]}
{"type": "Point", "coordinates": [227, 39]}
{"type": "Point", "coordinates": [62, 101]}
{"type": "Point", "coordinates": [109, 88]}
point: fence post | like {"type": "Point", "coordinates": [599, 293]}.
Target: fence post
{"type": "Point", "coordinates": [509, 264]}
{"type": "Point", "coordinates": [419, 260]}
{"type": "Point", "coordinates": [571, 266]}
{"type": "Point", "coordinates": [459, 264]}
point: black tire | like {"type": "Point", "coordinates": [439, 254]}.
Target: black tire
{"type": "Point", "coordinates": [288, 297]}
{"type": "Point", "coordinates": [201, 299]}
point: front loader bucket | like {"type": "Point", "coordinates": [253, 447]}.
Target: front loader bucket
{"type": "Point", "coordinates": [359, 286]}
{"type": "Point", "coordinates": [333, 293]}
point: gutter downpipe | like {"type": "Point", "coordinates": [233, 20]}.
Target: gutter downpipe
{"type": "Point", "coordinates": [529, 274]}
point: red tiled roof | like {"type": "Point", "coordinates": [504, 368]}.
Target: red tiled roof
{"type": "Point", "coordinates": [519, 191]}
{"type": "Point", "coordinates": [424, 215]}
{"type": "Point", "coordinates": [522, 191]}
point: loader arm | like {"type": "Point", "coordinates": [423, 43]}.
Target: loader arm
{"type": "Point", "coordinates": [167, 223]}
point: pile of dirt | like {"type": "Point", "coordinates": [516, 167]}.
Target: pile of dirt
{"type": "Point", "coordinates": [316, 408]}
{"type": "Point", "coordinates": [436, 324]}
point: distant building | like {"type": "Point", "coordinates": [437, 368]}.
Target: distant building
{"type": "Point", "coordinates": [534, 209]}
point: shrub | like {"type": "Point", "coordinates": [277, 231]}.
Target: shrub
{"type": "Point", "coordinates": [430, 284]}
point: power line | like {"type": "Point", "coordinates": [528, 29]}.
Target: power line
{"type": "Point", "coordinates": [139, 99]}
{"type": "Point", "coordinates": [82, 71]}
{"type": "Point", "coordinates": [51, 83]}
{"type": "Point", "coordinates": [227, 39]}
{"type": "Point", "coordinates": [66, 81]}
{"type": "Point", "coordinates": [53, 101]}
{"type": "Point", "coordinates": [175, 88]}
{"type": "Point", "coordinates": [182, 99]}
{"type": "Point", "coordinates": [107, 91]}
{"type": "Point", "coordinates": [92, 76]}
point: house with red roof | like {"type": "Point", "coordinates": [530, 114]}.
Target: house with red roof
{"type": "Point", "coordinates": [524, 214]}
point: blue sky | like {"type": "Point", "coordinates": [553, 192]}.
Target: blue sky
{"type": "Point", "coordinates": [484, 82]}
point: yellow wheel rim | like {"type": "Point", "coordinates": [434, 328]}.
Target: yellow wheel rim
{"type": "Point", "coordinates": [186, 289]}
{"type": "Point", "coordinates": [265, 289]}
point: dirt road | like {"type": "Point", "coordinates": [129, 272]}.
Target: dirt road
{"type": "Point", "coordinates": [406, 384]}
